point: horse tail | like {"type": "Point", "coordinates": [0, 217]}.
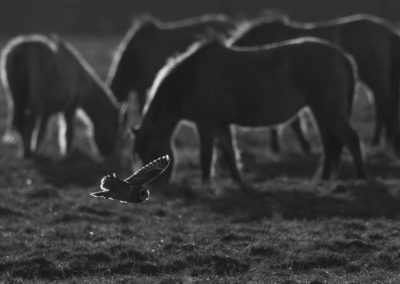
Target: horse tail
{"type": "Point", "coordinates": [12, 77]}
{"type": "Point", "coordinates": [396, 53]}
{"type": "Point", "coordinates": [354, 81]}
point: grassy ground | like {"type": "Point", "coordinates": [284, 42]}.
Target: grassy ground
{"type": "Point", "coordinates": [295, 230]}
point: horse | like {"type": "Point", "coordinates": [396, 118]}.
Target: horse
{"type": "Point", "coordinates": [148, 44]}
{"type": "Point", "coordinates": [44, 76]}
{"type": "Point", "coordinates": [214, 86]}
{"type": "Point", "coordinates": [373, 42]}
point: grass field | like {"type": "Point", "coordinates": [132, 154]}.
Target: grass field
{"type": "Point", "coordinates": [296, 230]}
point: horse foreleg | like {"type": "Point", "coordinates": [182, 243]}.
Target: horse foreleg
{"type": "Point", "coordinates": [207, 137]}
{"type": "Point", "coordinates": [332, 151]}
{"type": "Point", "coordinates": [227, 143]}
{"type": "Point", "coordinates": [331, 143]}
{"type": "Point", "coordinates": [274, 137]}
{"type": "Point", "coordinates": [70, 130]}
{"type": "Point", "coordinates": [352, 142]}
{"type": "Point", "coordinates": [383, 105]}
{"type": "Point", "coordinates": [376, 138]}
{"type": "Point", "coordinates": [27, 127]}
{"type": "Point", "coordinates": [393, 127]}
{"type": "Point", "coordinates": [298, 130]}
{"type": "Point", "coordinates": [42, 127]}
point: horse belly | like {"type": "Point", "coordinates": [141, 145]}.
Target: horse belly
{"type": "Point", "coordinates": [267, 113]}
{"type": "Point", "coordinates": [267, 103]}
{"type": "Point", "coordinates": [59, 99]}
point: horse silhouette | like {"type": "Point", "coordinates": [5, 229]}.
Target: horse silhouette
{"type": "Point", "coordinates": [43, 77]}
{"type": "Point", "coordinates": [148, 44]}
{"type": "Point", "coordinates": [373, 42]}
{"type": "Point", "coordinates": [215, 86]}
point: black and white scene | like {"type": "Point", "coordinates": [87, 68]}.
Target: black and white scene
{"type": "Point", "coordinates": [214, 141]}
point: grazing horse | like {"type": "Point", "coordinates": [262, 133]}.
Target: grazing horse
{"type": "Point", "coordinates": [44, 76]}
{"type": "Point", "coordinates": [373, 42]}
{"type": "Point", "coordinates": [147, 46]}
{"type": "Point", "coordinates": [215, 86]}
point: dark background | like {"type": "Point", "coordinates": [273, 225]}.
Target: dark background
{"type": "Point", "coordinates": [110, 16]}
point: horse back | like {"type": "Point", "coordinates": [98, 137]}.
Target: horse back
{"type": "Point", "coordinates": [265, 86]}
{"type": "Point", "coordinates": [370, 42]}
{"type": "Point", "coordinates": [28, 66]}
{"type": "Point", "coordinates": [35, 73]}
{"type": "Point", "coordinates": [369, 39]}
{"type": "Point", "coordinates": [176, 39]}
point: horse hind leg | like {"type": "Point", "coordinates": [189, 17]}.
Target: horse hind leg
{"type": "Point", "coordinates": [385, 91]}
{"type": "Point", "coordinates": [393, 127]}
{"type": "Point", "coordinates": [227, 144]}
{"type": "Point", "coordinates": [297, 128]}
{"type": "Point", "coordinates": [339, 126]}
{"type": "Point", "coordinates": [332, 148]}
{"type": "Point", "coordinates": [352, 142]}
{"type": "Point", "coordinates": [207, 137]}
{"type": "Point", "coordinates": [299, 133]}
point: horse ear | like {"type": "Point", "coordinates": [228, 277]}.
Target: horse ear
{"type": "Point", "coordinates": [123, 114]}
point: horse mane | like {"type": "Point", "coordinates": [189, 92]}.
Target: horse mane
{"type": "Point", "coordinates": [207, 39]}
{"type": "Point", "coordinates": [142, 21]}
{"type": "Point", "coordinates": [343, 20]}
{"type": "Point", "coordinates": [246, 25]}
{"type": "Point", "coordinates": [76, 55]}
{"type": "Point", "coordinates": [193, 20]}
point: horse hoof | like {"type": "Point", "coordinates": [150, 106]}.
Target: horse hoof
{"type": "Point", "coordinates": [213, 188]}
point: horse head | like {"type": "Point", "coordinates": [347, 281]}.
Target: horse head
{"type": "Point", "coordinates": [147, 146]}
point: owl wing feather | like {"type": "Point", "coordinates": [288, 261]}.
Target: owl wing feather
{"type": "Point", "coordinates": [149, 172]}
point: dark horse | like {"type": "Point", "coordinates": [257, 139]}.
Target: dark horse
{"type": "Point", "coordinates": [374, 44]}
{"type": "Point", "coordinates": [147, 46]}
{"type": "Point", "coordinates": [45, 76]}
{"type": "Point", "coordinates": [215, 86]}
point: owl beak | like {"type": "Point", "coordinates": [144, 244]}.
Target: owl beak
{"type": "Point", "coordinates": [144, 194]}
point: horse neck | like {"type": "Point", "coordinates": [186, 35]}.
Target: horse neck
{"type": "Point", "coordinates": [161, 116]}
{"type": "Point", "coordinates": [97, 100]}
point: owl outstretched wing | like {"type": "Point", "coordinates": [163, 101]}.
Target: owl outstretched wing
{"type": "Point", "coordinates": [149, 172]}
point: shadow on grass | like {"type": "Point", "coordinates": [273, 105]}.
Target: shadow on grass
{"type": "Point", "coordinates": [76, 169]}
{"type": "Point", "coordinates": [117, 259]}
{"type": "Point", "coordinates": [293, 164]}
{"type": "Point", "coordinates": [294, 199]}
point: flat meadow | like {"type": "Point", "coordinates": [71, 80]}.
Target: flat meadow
{"type": "Point", "coordinates": [294, 230]}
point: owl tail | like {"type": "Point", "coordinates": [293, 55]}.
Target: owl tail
{"type": "Point", "coordinates": [104, 194]}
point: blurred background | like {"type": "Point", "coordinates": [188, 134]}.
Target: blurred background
{"type": "Point", "coordinates": [115, 16]}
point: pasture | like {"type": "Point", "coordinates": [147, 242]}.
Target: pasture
{"type": "Point", "coordinates": [295, 230]}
